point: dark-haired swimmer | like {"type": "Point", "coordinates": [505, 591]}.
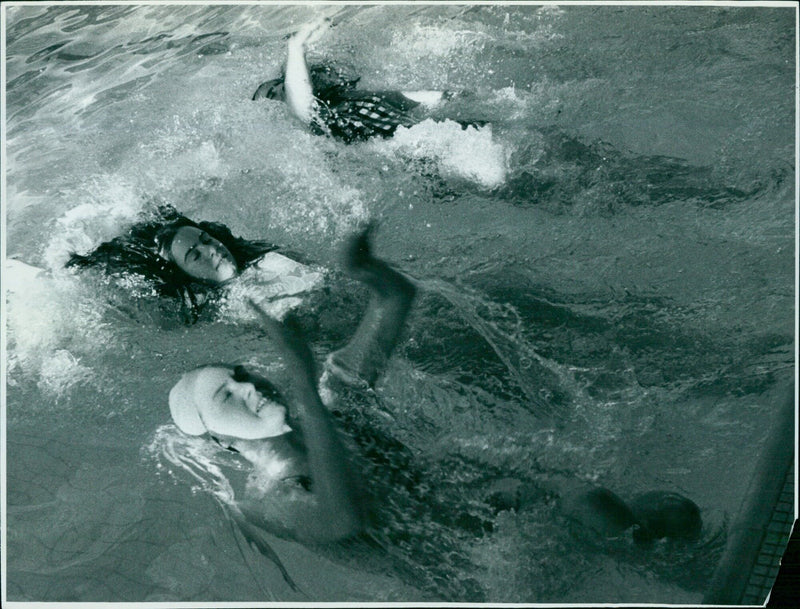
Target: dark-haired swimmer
{"type": "Point", "coordinates": [295, 442]}
{"type": "Point", "coordinates": [190, 260]}
{"type": "Point", "coordinates": [331, 104]}
{"type": "Point", "coordinates": [197, 253]}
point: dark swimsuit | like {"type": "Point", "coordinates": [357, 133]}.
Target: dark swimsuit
{"type": "Point", "coordinates": [353, 115]}
{"type": "Point", "coordinates": [347, 113]}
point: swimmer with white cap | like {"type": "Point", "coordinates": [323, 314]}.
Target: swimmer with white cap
{"type": "Point", "coordinates": [248, 414]}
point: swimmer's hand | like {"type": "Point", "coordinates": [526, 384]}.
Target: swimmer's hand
{"type": "Point", "coordinates": [290, 344]}
{"type": "Point", "coordinates": [297, 82]}
{"type": "Point", "coordinates": [357, 252]}
{"type": "Point", "coordinates": [310, 32]}
{"type": "Point", "coordinates": [361, 264]}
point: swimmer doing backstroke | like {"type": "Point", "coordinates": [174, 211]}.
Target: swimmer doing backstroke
{"type": "Point", "coordinates": [190, 260]}
{"type": "Point", "coordinates": [330, 103]}
{"type": "Point", "coordinates": [296, 439]}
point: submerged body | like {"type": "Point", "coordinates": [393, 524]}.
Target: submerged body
{"type": "Point", "coordinates": [663, 514]}
{"type": "Point", "coordinates": [601, 511]}
{"type": "Point", "coordinates": [652, 515]}
{"type": "Point", "coordinates": [305, 470]}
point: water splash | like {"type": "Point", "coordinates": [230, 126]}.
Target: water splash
{"type": "Point", "coordinates": [546, 384]}
{"type": "Point", "coordinates": [107, 203]}
{"type": "Point", "coordinates": [204, 463]}
{"type": "Point", "coordinates": [470, 154]}
{"type": "Point", "coordinates": [49, 319]}
{"type": "Point", "coordinates": [60, 371]}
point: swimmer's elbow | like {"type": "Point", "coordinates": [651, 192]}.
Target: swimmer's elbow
{"type": "Point", "coordinates": [302, 104]}
{"type": "Point", "coordinates": [297, 85]}
{"type": "Point", "coordinates": [303, 112]}
{"type": "Point", "coordinates": [335, 523]}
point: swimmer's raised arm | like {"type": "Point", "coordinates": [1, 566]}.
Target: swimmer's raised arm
{"type": "Point", "coordinates": [297, 83]}
{"type": "Point", "coordinates": [333, 483]}
{"type": "Point", "coordinates": [364, 358]}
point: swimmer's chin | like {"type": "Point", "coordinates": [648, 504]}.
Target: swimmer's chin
{"type": "Point", "coordinates": [225, 272]}
{"type": "Point", "coordinates": [221, 278]}
{"type": "Point", "coordinates": [277, 432]}
{"type": "Point", "coordinates": [282, 431]}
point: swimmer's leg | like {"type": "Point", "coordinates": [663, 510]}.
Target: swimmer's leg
{"type": "Point", "coordinates": [364, 357]}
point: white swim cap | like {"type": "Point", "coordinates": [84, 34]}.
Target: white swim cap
{"type": "Point", "coordinates": [182, 406]}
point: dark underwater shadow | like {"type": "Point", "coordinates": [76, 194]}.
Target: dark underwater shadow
{"type": "Point", "coordinates": [560, 172]}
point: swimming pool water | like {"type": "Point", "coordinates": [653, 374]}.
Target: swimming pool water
{"type": "Point", "coordinates": [606, 270]}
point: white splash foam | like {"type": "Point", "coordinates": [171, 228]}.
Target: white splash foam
{"type": "Point", "coordinates": [314, 199]}
{"type": "Point", "coordinates": [195, 456]}
{"type": "Point", "coordinates": [30, 309]}
{"type": "Point", "coordinates": [207, 464]}
{"type": "Point", "coordinates": [426, 41]}
{"type": "Point", "coordinates": [510, 102]}
{"type": "Point", "coordinates": [60, 371]}
{"type": "Point", "coordinates": [106, 204]}
{"type": "Point", "coordinates": [45, 316]}
{"type": "Point", "coordinates": [469, 153]}
{"type": "Point", "coordinates": [180, 159]}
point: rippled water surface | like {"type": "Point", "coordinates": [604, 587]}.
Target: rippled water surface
{"type": "Point", "coordinates": [606, 271]}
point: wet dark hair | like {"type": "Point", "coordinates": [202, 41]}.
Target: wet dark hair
{"type": "Point", "coordinates": [137, 252]}
{"type": "Point", "coordinates": [272, 89]}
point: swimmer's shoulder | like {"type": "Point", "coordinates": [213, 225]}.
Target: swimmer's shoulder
{"type": "Point", "coordinates": [277, 261]}
{"type": "Point", "coordinates": [293, 276]}
{"type": "Point", "coordinates": [281, 255]}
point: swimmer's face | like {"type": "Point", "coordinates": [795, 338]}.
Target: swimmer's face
{"type": "Point", "coordinates": [215, 389]}
{"type": "Point", "coordinates": [200, 255]}
{"type": "Point", "coordinates": [272, 89]}
{"type": "Point", "coordinates": [277, 91]}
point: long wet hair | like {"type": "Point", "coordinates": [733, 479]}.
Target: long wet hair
{"type": "Point", "coordinates": [138, 252]}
